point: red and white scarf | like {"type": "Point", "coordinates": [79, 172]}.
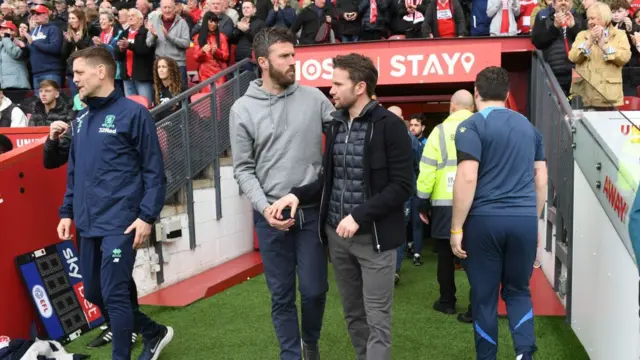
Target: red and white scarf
{"type": "Point", "coordinates": [373, 14]}
{"type": "Point", "coordinates": [417, 16]}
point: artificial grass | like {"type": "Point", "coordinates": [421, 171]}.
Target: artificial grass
{"type": "Point", "coordinates": [236, 324]}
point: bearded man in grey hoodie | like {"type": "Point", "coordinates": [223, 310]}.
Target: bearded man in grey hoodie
{"type": "Point", "coordinates": [276, 137]}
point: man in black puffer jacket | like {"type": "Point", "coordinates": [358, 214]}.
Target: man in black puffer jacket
{"type": "Point", "coordinates": [367, 175]}
{"type": "Point", "coordinates": [554, 31]}
{"type": "Point", "coordinates": [51, 105]}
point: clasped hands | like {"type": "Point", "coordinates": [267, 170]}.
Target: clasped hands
{"type": "Point", "coordinates": [273, 214]}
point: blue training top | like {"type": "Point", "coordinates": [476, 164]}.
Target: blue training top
{"type": "Point", "coordinates": [506, 145]}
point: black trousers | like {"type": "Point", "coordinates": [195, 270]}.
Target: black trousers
{"type": "Point", "coordinates": [446, 272]}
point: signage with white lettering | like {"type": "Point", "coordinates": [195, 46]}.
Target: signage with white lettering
{"type": "Point", "coordinates": [402, 65]}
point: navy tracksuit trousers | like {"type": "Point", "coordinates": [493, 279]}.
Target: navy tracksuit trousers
{"type": "Point", "coordinates": [285, 253]}
{"type": "Point", "coordinates": [107, 267]}
{"type": "Point", "coordinates": [501, 250]}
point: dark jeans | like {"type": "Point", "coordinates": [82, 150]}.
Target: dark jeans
{"type": "Point", "coordinates": [285, 253]}
{"type": "Point", "coordinates": [412, 216]}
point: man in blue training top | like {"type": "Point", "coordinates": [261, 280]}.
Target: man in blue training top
{"type": "Point", "coordinates": [115, 191]}
{"type": "Point", "coordinates": [498, 196]}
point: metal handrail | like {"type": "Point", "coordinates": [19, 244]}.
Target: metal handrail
{"type": "Point", "coordinates": [185, 95]}
{"type": "Point", "coordinates": [555, 86]}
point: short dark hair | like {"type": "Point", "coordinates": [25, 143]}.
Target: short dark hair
{"type": "Point", "coordinates": [269, 36]}
{"type": "Point", "coordinates": [619, 4]}
{"type": "Point", "coordinates": [97, 56]}
{"type": "Point", "coordinates": [492, 84]}
{"type": "Point", "coordinates": [5, 144]}
{"type": "Point", "coordinates": [360, 68]}
{"type": "Point", "coordinates": [418, 117]}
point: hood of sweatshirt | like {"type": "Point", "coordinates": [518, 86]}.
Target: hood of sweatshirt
{"type": "Point", "coordinates": [275, 103]}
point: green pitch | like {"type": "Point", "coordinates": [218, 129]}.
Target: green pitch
{"type": "Point", "coordinates": [236, 324]}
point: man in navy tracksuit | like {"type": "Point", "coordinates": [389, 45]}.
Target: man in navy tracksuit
{"type": "Point", "coordinates": [115, 191]}
{"type": "Point", "coordinates": [500, 184]}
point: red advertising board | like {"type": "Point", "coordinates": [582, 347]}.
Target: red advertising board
{"type": "Point", "coordinates": [24, 135]}
{"type": "Point", "coordinates": [403, 65]}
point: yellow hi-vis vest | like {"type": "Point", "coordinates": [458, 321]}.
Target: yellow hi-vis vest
{"type": "Point", "coordinates": [439, 161]}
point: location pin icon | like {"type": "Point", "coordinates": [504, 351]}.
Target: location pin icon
{"type": "Point", "coordinates": [467, 61]}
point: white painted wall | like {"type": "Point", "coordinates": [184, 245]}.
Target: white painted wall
{"type": "Point", "coordinates": [605, 281]}
{"type": "Point", "coordinates": [217, 241]}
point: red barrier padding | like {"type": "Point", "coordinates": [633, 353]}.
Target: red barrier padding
{"type": "Point", "coordinates": [30, 196]}
{"type": "Point", "coordinates": [24, 135]}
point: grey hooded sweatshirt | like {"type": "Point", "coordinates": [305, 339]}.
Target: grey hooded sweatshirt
{"type": "Point", "coordinates": [276, 140]}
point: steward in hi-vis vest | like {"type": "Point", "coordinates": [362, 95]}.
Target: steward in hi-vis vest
{"type": "Point", "coordinates": [437, 173]}
{"type": "Point", "coordinates": [435, 190]}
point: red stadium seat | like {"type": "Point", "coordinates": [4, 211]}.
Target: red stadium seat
{"type": "Point", "coordinates": [140, 100]}
{"type": "Point", "coordinates": [630, 103]}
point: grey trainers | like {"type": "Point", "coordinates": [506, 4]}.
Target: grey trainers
{"type": "Point", "coordinates": [310, 352]}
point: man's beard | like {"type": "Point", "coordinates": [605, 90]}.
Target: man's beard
{"type": "Point", "coordinates": [280, 78]}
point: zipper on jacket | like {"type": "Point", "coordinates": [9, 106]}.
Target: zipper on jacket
{"type": "Point", "coordinates": [375, 229]}
{"type": "Point", "coordinates": [344, 162]}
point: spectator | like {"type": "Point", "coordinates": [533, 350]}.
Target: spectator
{"type": "Point", "coordinates": [554, 32]}
{"type": "Point", "coordinates": [169, 33]}
{"type": "Point", "coordinates": [211, 50]}
{"type": "Point", "coordinates": [93, 22]}
{"type": "Point", "coordinates": [503, 17]}
{"type": "Point", "coordinates": [373, 14]}
{"type": "Point", "coordinates": [622, 21]}
{"type": "Point", "coordinates": [166, 84]}
{"type": "Point", "coordinates": [526, 19]}
{"type": "Point", "coordinates": [282, 15]}
{"type": "Point", "coordinates": [105, 6]}
{"type": "Point", "coordinates": [109, 37]}
{"type": "Point", "coordinates": [599, 54]}
{"type": "Point", "coordinates": [7, 11]}
{"type": "Point", "coordinates": [542, 4]}
{"type": "Point", "coordinates": [45, 45]}
{"type": "Point", "coordinates": [181, 10]}
{"type": "Point", "coordinates": [313, 23]}
{"type": "Point", "coordinates": [144, 7]}
{"type": "Point", "coordinates": [51, 106]}
{"type": "Point", "coordinates": [407, 18]}
{"type": "Point", "coordinates": [194, 10]}
{"type": "Point", "coordinates": [14, 76]}
{"type": "Point", "coordinates": [123, 18]}
{"type": "Point", "coordinates": [75, 38]}
{"type": "Point", "coordinates": [246, 29]}
{"type": "Point", "coordinates": [225, 23]}
{"type": "Point", "coordinates": [480, 21]}
{"type": "Point", "coordinates": [22, 13]}
{"type": "Point", "coordinates": [349, 23]}
{"type": "Point", "coordinates": [230, 12]}
{"type": "Point", "coordinates": [444, 19]}
{"type": "Point", "coordinates": [62, 15]}
{"type": "Point", "coordinates": [91, 5]}
{"type": "Point", "coordinates": [133, 52]}
{"type": "Point", "coordinates": [10, 114]}
{"type": "Point", "coordinates": [5, 144]}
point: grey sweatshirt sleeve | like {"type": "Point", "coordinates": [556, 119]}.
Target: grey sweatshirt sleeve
{"type": "Point", "coordinates": [244, 162]}
{"type": "Point", "coordinates": [180, 38]}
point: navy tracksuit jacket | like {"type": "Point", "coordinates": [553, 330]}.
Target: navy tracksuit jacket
{"type": "Point", "coordinates": [115, 176]}
{"type": "Point", "coordinates": [107, 189]}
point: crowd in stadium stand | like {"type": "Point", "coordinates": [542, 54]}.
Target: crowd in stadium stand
{"type": "Point", "coordinates": [38, 38]}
